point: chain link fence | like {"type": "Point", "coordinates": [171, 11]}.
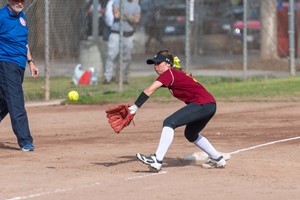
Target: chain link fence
{"type": "Point", "coordinates": [214, 40]}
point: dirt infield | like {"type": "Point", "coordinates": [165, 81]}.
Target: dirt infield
{"type": "Point", "coordinates": [79, 157]}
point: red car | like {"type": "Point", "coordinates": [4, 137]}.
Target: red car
{"type": "Point", "coordinates": [253, 32]}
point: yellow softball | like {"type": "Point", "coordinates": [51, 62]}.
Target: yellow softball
{"type": "Point", "coordinates": [73, 95]}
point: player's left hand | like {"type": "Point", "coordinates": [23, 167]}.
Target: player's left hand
{"type": "Point", "coordinates": [119, 117]}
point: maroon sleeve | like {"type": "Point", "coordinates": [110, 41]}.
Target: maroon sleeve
{"type": "Point", "coordinates": [166, 78]}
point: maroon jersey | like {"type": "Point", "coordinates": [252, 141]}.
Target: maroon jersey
{"type": "Point", "coordinates": [185, 87]}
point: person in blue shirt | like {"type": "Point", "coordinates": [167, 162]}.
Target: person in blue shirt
{"type": "Point", "coordinates": [14, 54]}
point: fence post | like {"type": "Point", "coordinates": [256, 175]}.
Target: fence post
{"type": "Point", "coordinates": [187, 35]}
{"type": "Point", "coordinates": [121, 48]}
{"type": "Point", "coordinates": [47, 75]}
{"type": "Point", "coordinates": [245, 52]}
{"type": "Point", "coordinates": [292, 38]}
{"type": "Point", "coordinates": [95, 20]}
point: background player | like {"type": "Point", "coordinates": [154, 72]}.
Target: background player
{"type": "Point", "coordinates": [14, 52]}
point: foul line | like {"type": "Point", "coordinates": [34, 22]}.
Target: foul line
{"type": "Point", "coordinates": [265, 144]}
{"type": "Point", "coordinates": [83, 186]}
{"type": "Point", "coordinates": [143, 176]}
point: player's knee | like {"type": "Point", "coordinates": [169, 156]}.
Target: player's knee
{"type": "Point", "coordinates": [191, 137]}
{"type": "Point", "coordinates": [169, 123]}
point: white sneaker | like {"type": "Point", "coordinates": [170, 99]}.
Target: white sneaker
{"type": "Point", "coordinates": [214, 163]}
{"type": "Point", "coordinates": [150, 160]}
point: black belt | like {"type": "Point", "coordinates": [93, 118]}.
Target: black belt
{"type": "Point", "coordinates": [125, 34]}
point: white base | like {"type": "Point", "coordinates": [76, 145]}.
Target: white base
{"type": "Point", "coordinates": [201, 156]}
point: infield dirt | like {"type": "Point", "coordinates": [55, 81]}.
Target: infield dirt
{"type": "Point", "coordinates": [78, 156]}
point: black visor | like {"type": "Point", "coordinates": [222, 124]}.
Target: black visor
{"type": "Point", "coordinates": [158, 59]}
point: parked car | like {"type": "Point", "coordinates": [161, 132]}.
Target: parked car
{"type": "Point", "coordinates": [223, 23]}
{"type": "Point", "coordinates": [165, 18]}
{"type": "Point", "coordinates": [172, 19]}
{"type": "Point", "coordinates": [164, 21]}
{"type": "Point", "coordinates": [253, 29]}
{"type": "Point", "coordinates": [253, 32]}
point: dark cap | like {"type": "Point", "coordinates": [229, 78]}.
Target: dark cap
{"type": "Point", "coordinates": [159, 58]}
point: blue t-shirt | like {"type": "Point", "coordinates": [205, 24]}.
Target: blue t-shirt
{"type": "Point", "coordinates": [13, 37]}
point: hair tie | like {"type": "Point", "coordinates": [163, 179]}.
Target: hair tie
{"type": "Point", "coordinates": [176, 62]}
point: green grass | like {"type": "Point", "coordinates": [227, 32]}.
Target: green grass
{"type": "Point", "coordinates": [224, 89]}
{"type": "Point", "coordinates": [285, 89]}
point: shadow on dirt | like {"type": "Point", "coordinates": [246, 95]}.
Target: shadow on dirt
{"type": "Point", "coordinates": [8, 146]}
{"type": "Point", "coordinates": [168, 162]}
{"type": "Point", "coordinates": [125, 159]}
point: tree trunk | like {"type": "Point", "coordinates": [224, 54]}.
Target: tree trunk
{"type": "Point", "coordinates": [268, 18]}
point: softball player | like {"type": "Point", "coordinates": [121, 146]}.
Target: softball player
{"type": "Point", "coordinates": [200, 108]}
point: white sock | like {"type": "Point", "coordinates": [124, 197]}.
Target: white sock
{"type": "Point", "coordinates": [207, 147]}
{"type": "Point", "coordinates": [166, 139]}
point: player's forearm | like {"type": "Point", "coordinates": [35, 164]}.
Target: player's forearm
{"type": "Point", "coordinates": [141, 99]}
{"type": "Point", "coordinates": [132, 19]}
{"type": "Point", "coordinates": [33, 69]}
{"type": "Point", "coordinates": [138, 103]}
{"type": "Point", "coordinates": [29, 56]}
{"type": "Point", "coordinates": [116, 13]}
{"type": "Point", "coordinates": [144, 96]}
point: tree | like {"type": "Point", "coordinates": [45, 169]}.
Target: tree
{"type": "Point", "coordinates": [268, 18]}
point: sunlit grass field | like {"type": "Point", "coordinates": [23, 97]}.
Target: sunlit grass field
{"type": "Point", "coordinates": [223, 89]}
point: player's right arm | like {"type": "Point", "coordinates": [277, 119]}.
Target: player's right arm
{"type": "Point", "coordinates": [144, 96]}
{"type": "Point", "coordinates": [116, 12]}
{"type": "Point", "coordinates": [152, 88]}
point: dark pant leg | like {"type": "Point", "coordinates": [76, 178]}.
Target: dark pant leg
{"type": "Point", "coordinates": [12, 91]}
{"type": "Point", "coordinates": [3, 105]}
{"type": "Point", "coordinates": [194, 116]}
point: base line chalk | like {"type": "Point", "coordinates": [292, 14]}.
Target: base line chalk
{"type": "Point", "coordinates": [144, 176]}
{"type": "Point", "coordinates": [265, 144]}
{"type": "Point", "coordinates": [80, 187]}
{"type": "Point", "coordinates": [202, 156]}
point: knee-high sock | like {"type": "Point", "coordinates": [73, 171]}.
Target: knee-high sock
{"type": "Point", "coordinates": [207, 147]}
{"type": "Point", "coordinates": [166, 139]}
